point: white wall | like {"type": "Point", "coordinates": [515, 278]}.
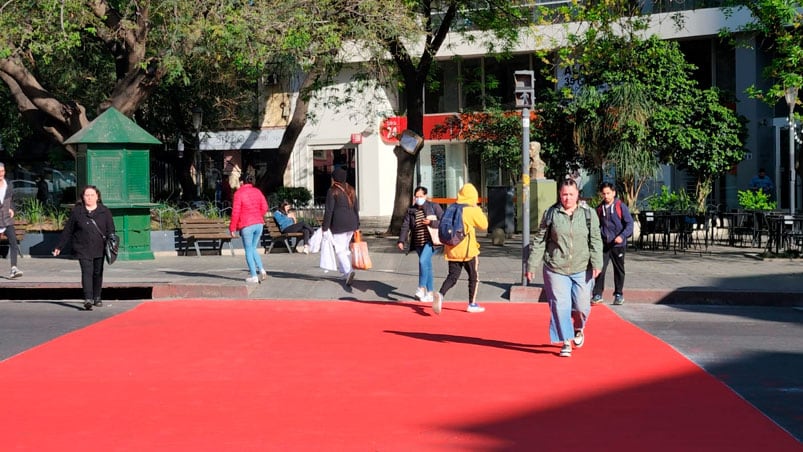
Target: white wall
{"type": "Point", "coordinates": [336, 114]}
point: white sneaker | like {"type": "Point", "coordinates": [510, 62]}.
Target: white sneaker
{"type": "Point", "coordinates": [428, 298]}
{"type": "Point", "coordinates": [437, 303]}
{"type": "Point", "coordinates": [15, 273]}
{"type": "Point", "coordinates": [252, 280]}
{"type": "Point", "coordinates": [305, 250]}
{"type": "Point", "coordinates": [566, 350]}
{"type": "Point", "coordinates": [420, 293]}
{"type": "Point", "coordinates": [474, 307]}
{"type": "Point", "coordinates": [263, 275]}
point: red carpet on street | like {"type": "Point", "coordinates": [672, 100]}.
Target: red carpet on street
{"type": "Point", "coordinates": [198, 375]}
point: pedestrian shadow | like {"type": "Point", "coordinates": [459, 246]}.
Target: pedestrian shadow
{"type": "Point", "coordinates": [382, 290]}
{"type": "Point", "coordinates": [515, 346]}
{"type": "Point", "coordinates": [416, 307]}
{"type": "Point", "coordinates": [77, 305]}
{"type": "Point", "coordinates": [504, 286]}
{"type": "Point", "coordinates": [202, 275]}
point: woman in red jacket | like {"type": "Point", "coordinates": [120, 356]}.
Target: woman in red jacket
{"type": "Point", "coordinates": [248, 216]}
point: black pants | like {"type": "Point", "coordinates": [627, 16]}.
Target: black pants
{"type": "Point", "coordinates": [92, 277]}
{"type": "Point", "coordinates": [455, 268]}
{"type": "Point", "coordinates": [13, 246]}
{"type": "Point", "coordinates": [615, 254]}
{"type": "Point", "coordinates": [302, 227]}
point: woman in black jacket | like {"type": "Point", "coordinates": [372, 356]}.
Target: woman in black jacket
{"type": "Point", "coordinates": [340, 219]}
{"type": "Point", "coordinates": [89, 224]}
{"type": "Point", "coordinates": [420, 225]}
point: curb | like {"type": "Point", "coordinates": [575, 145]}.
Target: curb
{"type": "Point", "coordinates": [680, 296]}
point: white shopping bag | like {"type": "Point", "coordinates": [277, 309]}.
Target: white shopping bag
{"type": "Point", "coordinates": [315, 241]}
{"type": "Point", "coordinates": [328, 258]}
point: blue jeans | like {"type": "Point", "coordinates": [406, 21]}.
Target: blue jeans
{"type": "Point", "coordinates": [425, 276]}
{"type": "Point", "coordinates": [569, 298]}
{"type": "Point", "coordinates": [251, 235]}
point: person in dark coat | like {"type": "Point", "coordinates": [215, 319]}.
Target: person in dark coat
{"type": "Point", "coordinates": [89, 224]}
{"type": "Point", "coordinates": [341, 218]}
{"type": "Point", "coordinates": [616, 225]}
{"type": "Point", "coordinates": [420, 225]}
{"type": "Point", "coordinates": [7, 222]}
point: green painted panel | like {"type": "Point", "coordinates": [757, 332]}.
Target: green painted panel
{"type": "Point", "coordinates": [137, 176]}
{"type": "Point", "coordinates": [133, 225]}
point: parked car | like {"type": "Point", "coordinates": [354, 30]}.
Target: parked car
{"type": "Point", "coordinates": [26, 189]}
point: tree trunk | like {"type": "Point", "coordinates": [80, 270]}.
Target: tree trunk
{"type": "Point", "coordinates": [274, 178]}
{"type": "Point", "coordinates": [405, 163]}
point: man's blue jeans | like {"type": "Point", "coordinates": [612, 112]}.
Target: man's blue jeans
{"type": "Point", "coordinates": [251, 235]}
{"type": "Point", "coordinates": [425, 276]}
{"type": "Point", "coordinates": [569, 298]}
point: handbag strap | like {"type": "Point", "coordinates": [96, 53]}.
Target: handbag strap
{"type": "Point", "coordinates": [98, 229]}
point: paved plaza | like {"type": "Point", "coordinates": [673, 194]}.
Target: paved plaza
{"type": "Point", "coordinates": [738, 317]}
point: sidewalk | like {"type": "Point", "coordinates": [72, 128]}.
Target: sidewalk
{"type": "Point", "coordinates": [722, 275]}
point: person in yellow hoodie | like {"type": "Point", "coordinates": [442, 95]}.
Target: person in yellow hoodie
{"type": "Point", "coordinates": [464, 255]}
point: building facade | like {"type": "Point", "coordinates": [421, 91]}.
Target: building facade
{"type": "Point", "coordinates": [361, 134]}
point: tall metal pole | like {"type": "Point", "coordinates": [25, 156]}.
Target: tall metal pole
{"type": "Point", "coordinates": [525, 192]}
{"type": "Point", "coordinates": [792, 160]}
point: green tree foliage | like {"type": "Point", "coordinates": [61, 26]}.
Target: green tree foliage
{"type": "Point", "coordinates": [713, 142]}
{"type": "Point", "coordinates": [778, 27]}
{"type": "Point", "coordinates": [63, 61]}
{"type": "Point", "coordinates": [638, 102]}
{"type": "Point", "coordinates": [502, 22]}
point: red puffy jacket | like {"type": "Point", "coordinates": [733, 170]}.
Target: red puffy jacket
{"type": "Point", "coordinates": [250, 207]}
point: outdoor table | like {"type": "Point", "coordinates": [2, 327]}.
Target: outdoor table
{"type": "Point", "coordinates": [785, 232]}
{"type": "Point", "coordinates": [739, 223]}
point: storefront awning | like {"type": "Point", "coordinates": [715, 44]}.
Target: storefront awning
{"type": "Point", "coordinates": [241, 139]}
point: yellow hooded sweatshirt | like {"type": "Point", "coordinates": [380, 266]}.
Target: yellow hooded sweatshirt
{"type": "Point", "coordinates": [473, 219]}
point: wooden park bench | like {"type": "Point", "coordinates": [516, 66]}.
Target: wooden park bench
{"type": "Point", "coordinates": [276, 235]}
{"type": "Point", "coordinates": [207, 232]}
{"type": "Point", "coordinates": [19, 231]}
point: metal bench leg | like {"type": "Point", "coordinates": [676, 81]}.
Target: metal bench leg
{"type": "Point", "coordinates": [197, 249]}
{"type": "Point", "coordinates": [287, 244]}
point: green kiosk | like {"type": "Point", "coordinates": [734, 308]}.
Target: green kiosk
{"type": "Point", "coordinates": [113, 154]}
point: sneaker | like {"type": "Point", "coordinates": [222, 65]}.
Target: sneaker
{"type": "Point", "coordinates": [420, 293]}
{"type": "Point", "coordinates": [263, 275]}
{"type": "Point", "coordinates": [350, 278]}
{"type": "Point", "coordinates": [474, 307]}
{"type": "Point", "coordinates": [15, 273]}
{"type": "Point", "coordinates": [579, 338]}
{"type": "Point", "coordinates": [566, 351]}
{"type": "Point", "coordinates": [597, 299]}
{"type": "Point", "coordinates": [88, 305]}
{"type": "Point", "coordinates": [618, 299]}
{"type": "Point", "coordinates": [305, 250]}
{"type": "Point", "coordinates": [252, 280]}
{"type": "Point", "coordinates": [428, 298]}
{"type": "Point", "coordinates": [98, 303]}
{"type": "Point", "coordinates": [437, 303]}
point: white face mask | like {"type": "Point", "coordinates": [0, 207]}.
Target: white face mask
{"type": "Point", "coordinates": [420, 201]}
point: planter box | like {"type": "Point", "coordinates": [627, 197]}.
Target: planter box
{"type": "Point", "coordinates": [164, 242]}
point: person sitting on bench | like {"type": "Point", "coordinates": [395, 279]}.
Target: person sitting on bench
{"type": "Point", "coordinates": [286, 219]}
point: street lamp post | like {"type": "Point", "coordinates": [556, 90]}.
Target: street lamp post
{"type": "Point", "coordinates": [791, 98]}
{"type": "Point", "coordinates": [197, 120]}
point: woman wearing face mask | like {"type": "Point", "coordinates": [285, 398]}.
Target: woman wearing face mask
{"type": "Point", "coordinates": [421, 216]}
